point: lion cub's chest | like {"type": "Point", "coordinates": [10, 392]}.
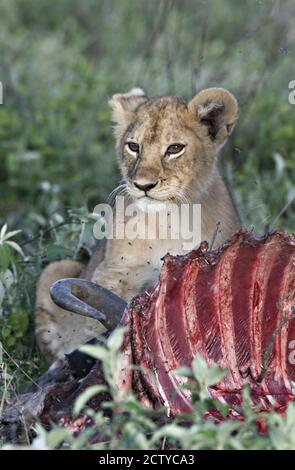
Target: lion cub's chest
{"type": "Point", "coordinates": [143, 262]}
{"type": "Point", "coordinates": [149, 237]}
{"type": "Point", "coordinates": [133, 262]}
{"type": "Point", "coordinates": [140, 259]}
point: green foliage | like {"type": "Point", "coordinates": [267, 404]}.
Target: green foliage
{"type": "Point", "coordinates": [133, 426]}
{"type": "Point", "coordinates": [60, 61]}
{"type": "Point", "coordinates": [17, 323]}
{"type": "Point", "coordinates": [16, 327]}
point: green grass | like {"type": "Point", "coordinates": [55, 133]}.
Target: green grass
{"type": "Point", "coordinates": [61, 61]}
{"type": "Point", "coordinates": [134, 427]}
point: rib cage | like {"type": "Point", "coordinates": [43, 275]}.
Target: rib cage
{"type": "Point", "coordinates": [233, 307]}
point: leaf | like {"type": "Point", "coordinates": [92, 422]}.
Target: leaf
{"type": "Point", "coordinates": [49, 440]}
{"type": "Point", "coordinates": [170, 430]}
{"type": "Point", "coordinates": [5, 332]}
{"type": "Point", "coordinates": [133, 437]}
{"type": "Point", "coordinates": [11, 234]}
{"type": "Point", "coordinates": [222, 408]}
{"type": "Point", "coordinates": [280, 164]}
{"type": "Point", "coordinates": [39, 443]}
{"type": "Point", "coordinates": [11, 340]}
{"type": "Point", "coordinates": [19, 322]}
{"type": "Point", "coordinates": [183, 372]}
{"type": "Point", "coordinates": [7, 279]}
{"type": "Point", "coordinates": [98, 352]}
{"type": "Point", "coordinates": [3, 231]}
{"type": "Point", "coordinates": [89, 393]}
{"type": "Point", "coordinates": [115, 340]}
{"type": "Point", "coordinates": [5, 257]}
{"type": "Point", "coordinates": [205, 375]}
{"type": "Point", "coordinates": [16, 247]}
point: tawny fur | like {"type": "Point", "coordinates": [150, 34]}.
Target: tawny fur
{"type": "Point", "coordinates": [203, 126]}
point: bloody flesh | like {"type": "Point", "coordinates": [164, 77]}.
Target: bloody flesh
{"type": "Point", "coordinates": [232, 306]}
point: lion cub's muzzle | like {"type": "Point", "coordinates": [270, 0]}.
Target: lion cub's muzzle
{"type": "Point", "coordinates": [144, 185]}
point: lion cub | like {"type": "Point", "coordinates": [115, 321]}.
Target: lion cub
{"type": "Point", "coordinates": [168, 153]}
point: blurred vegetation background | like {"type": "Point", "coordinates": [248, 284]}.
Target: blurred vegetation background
{"type": "Point", "coordinates": [60, 62]}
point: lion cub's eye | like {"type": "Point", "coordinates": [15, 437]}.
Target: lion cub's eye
{"type": "Point", "coordinates": [175, 150]}
{"type": "Point", "coordinates": [132, 148]}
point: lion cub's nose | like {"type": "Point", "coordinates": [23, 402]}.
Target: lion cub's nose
{"type": "Point", "coordinates": [145, 185]}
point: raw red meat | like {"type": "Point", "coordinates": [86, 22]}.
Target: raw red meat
{"type": "Point", "coordinates": [234, 307]}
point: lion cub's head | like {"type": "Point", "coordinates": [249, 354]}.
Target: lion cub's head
{"type": "Point", "coordinates": [167, 147]}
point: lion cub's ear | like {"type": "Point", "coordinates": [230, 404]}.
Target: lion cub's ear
{"type": "Point", "coordinates": [124, 105]}
{"type": "Point", "coordinates": [217, 109]}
